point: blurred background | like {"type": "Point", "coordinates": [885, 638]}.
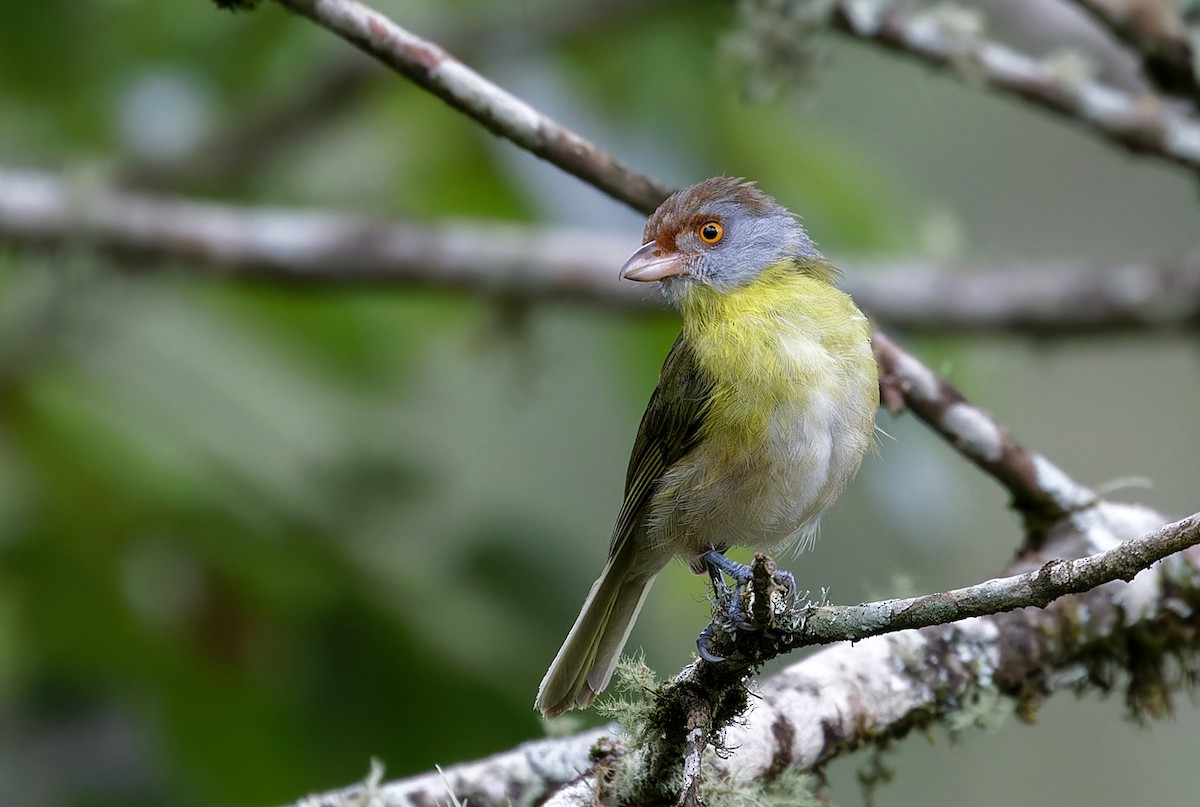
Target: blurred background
{"type": "Point", "coordinates": [253, 535]}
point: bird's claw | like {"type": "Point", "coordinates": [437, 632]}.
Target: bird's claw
{"type": "Point", "coordinates": [704, 645]}
{"type": "Point", "coordinates": [786, 578]}
{"type": "Point", "coordinates": [742, 575]}
{"type": "Point", "coordinates": [736, 610]}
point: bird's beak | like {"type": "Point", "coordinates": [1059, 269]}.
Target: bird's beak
{"type": "Point", "coordinates": [646, 265]}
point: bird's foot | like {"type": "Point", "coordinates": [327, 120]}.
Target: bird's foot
{"type": "Point", "coordinates": [731, 603]}
{"type": "Point", "coordinates": [760, 595]}
{"type": "Point", "coordinates": [704, 645]}
{"type": "Point", "coordinates": [788, 580]}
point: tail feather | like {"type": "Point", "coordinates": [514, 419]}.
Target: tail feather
{"type": "Point", "coordinates": [586, 661]}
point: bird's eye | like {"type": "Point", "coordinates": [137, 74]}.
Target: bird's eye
{"type": "Point", "coordinates": [711, 232]}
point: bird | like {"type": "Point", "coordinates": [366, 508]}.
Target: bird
{"type": "Point", "coordinates": [764, 409]}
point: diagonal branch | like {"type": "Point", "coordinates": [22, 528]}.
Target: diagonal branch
{"type": "Point", "coordinates": [1144, 125]}
{"type": "Point", "coordinates": [504, 114]}
{"type": "Point", "coordinates": [1159, 33]}
{"type": "Point", "coordinates": [330, 88]}
{"type": "Point", "coordinates": [1041, 493]}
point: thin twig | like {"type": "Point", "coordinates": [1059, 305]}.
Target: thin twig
{"type": "Point", "coordinates": [823, 624]}
{"type": "Point", "coordinates": [994, 665]}
{"type": "Point", "coordinates": [1142, 124]}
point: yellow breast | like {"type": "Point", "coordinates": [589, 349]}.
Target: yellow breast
{"type": "Point", "coordinates": [775, 343]}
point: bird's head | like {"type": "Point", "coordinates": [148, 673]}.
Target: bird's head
{"type": "Point", "coordinates": [722, 232]}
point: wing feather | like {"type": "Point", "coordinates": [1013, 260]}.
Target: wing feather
{"type": "Point", "coordinates": [670, 428]}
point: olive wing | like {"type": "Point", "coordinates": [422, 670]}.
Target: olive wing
{"type": "Point", "coordinates": [670, 428]}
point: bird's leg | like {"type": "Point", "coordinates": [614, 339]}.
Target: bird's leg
{"type": "Point", "coordinates": [720, 590]}
{"type": "Point", "coordinates": [742, 575]}
{"type": "Point", "coordinates": [717, 562]}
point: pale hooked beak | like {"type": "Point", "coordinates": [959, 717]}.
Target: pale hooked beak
{"type": "Point", "coordinates": [644, 265]}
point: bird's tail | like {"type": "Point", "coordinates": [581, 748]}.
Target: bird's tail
{"type": "Point", "coordinates": [586, 660]}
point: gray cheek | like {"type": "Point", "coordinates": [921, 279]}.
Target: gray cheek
{"type": "Point", "coordinates": [729, 267]}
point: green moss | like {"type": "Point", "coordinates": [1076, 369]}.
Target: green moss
{"type": "Point", "coordinates": [790, 788]}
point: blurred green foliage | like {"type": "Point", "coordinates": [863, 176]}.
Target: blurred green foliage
{"type": "Point", "coordinates": [228, 542]}
{"type": "Point", "coordinates": [253, 535]}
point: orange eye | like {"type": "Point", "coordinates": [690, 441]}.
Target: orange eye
{"type": "Point", "coordinates": [711, 232]}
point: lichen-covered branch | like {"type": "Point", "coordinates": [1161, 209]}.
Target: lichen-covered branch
{"type": "Point", "coordinates": [1041, 493]}
{"type": "Point", "coordinates": [696, 745]}
{"type": "Point", "coordinates": [1141, 634]}
{"type": "Point", "coordinates": [541, 263]}
{"type": "Point", "coordinates": [822, 624]}
{"type": "Point", "coordinates": [432, 68]}
{"type": "Point", "coordinates": [975, 670]}
{"type": "Point", "coordinates": [531, 769]}
{"type": "Point", "coordinates": [1142, 124]}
